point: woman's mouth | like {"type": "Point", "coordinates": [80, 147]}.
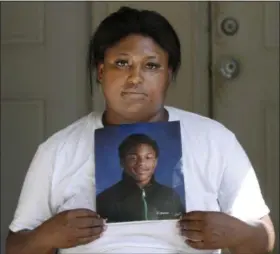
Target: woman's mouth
{"type": "Point", "coordinates": [133, 95]}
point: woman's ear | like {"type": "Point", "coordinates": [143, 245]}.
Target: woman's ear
{"type": "Point", "coordinates": [170, 75]}
{"type": "Point", "coordinates": [100, 70]}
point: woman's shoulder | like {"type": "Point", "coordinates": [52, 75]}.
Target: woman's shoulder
{"type": "Point", "coordinates": [198, 125]}
{"type": "Point", "coordinates": [79, 130]}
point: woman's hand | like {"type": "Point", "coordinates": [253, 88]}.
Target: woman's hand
{"type": "Point", "coordinates": [70, 228]}
{"type": "Point", "coordinates": [213, 230]}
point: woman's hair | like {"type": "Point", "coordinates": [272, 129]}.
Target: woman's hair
{"type": "Point", "coordinates": [135, 140]}
{"type": "Point", "coordinates": [127, 21]}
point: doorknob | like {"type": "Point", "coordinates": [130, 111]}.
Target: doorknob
{"type": "Point", "coordinates": [229, 26]}
{"type": "Point", "coordinates": [229, 68]}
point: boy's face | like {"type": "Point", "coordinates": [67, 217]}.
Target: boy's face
{"type": "Point", "coordinates": [140, 163]}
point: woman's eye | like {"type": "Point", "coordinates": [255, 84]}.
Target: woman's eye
{"type": "Point", "coordinates": [122, 63]}
{"type": "Point", "coordinates": [152, 66]}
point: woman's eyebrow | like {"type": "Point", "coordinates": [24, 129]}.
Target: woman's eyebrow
{"type": "Point", "coordinates": [123, 54]}
{"type": "Point", "coordinates": [152, 57]}
{"type": "Point", "coordinates": [148, 56]}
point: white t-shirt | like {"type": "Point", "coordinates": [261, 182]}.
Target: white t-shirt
{"type": "Point", "coordinates": [217, 173]}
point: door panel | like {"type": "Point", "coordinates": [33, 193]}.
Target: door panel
{"type": "Point", "coordinates": [43, 84]}
{"type": "Point", "coordinates": [249, 103]}
{"type": "Point", "coordinates": [190, 90]}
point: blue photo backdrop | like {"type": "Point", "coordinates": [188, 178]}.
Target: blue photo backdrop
{"type": "Point", "coordinates": [169, 168]}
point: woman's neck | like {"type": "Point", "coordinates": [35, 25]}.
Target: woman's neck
{"type": "Point", "coordinates": [110, 117]}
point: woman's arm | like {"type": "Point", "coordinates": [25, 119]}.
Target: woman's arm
{"type": "Point", "coordinates": [240, 196]}
{"type": "Point", "coordinates": [261, 238]}
{"type": "Point", "coordinates": [65, 230]}
{"type": "Point", "coordinates": [33, 206]}
{"type": "Point", "coordinates": [26, 242]}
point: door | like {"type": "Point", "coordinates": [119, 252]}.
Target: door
{"type": "Point", "coordinates": [43, 84]}
{"type": "Point", "coordinates": [248, 102]}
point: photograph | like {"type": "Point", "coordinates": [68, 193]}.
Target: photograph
{"type": "Point", "coordinates": [138, 172]}
{"type": "Point", "coordinates": [140, 125]}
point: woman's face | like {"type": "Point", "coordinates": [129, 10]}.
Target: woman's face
{"type": "Point", "coordinates": [140, 163]}
{"type": "Point", "coordinates": [134, 78]}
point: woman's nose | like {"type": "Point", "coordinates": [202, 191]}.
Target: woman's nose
{"type": "Point", "coordinates": [135, 76]}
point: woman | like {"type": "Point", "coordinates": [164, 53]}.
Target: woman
{"type": "Point", "coordinates": [138, 196]}
{"type": "Point", "coordinates": [136, 54]}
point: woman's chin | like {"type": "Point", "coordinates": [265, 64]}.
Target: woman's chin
{"type": "Point", "coordinates": [137, 113]}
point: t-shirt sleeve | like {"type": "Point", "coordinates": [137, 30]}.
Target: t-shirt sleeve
{"type": "Point", "coordinates": [33, 206]}
{"type": "Point", "coordinates": [240, 194]}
